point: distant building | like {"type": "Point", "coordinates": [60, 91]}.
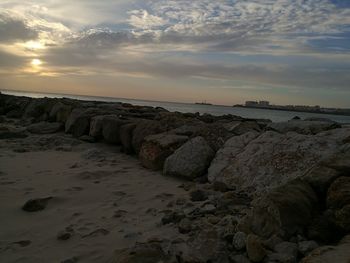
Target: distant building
{"type": "Point", "coordinates": [251, 103]}
{"type": "Point", "coordinates": [264, 103]}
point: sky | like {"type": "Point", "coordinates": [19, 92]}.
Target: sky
{"type": "Point", "coordinates": [222, 51]}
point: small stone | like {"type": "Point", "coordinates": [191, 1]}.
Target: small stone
{"type": "Point", "coordinates": [70, 260]}
{"type": "Point", "coordinates": [219, 186]}
{"type": "Point", "coordinates": [198, 195]}
{"type": "Point", "coordinates": [34, 205]}
{"type": "Point", "coordinates": [305, 247]}
{"type": "Point", "coordinates": [23, 243]}
{"type": "Point", "coordinates": [172, 217]}
{"type": "Point", "coordinates": [239, 240]}
{"type": "Point", "coordinates": [185, 226]}
{"type": "Point", "coordinates": [256, 251]}
{"type": "Point", "coordinates": [208, 209]}
{"type": "Point", "coordinates": [64, 235]}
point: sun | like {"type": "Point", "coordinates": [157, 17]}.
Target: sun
{"type": "Point", "coordinates": [36, 62]}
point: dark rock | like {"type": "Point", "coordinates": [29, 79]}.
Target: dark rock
{"type": "Point", "coordinates": [150, 252]}
{"type": "Point", "coordinates": [172, 217]}
{"type": "Point", "coordinates": [64, 235]}
{"type": "Point", "coordinates": [39, 109]}
{"type": "Point", "coordinates": [239, 240]}
{"type": "Point", "coordinates": [198, 195]}
{"type": "Point", "coordinates": [60, 112]}
{"type": "Point", "coordinates": [305, 247]}
{"type": "Point", "coordinates": [255, 250]}
{"type": "Point", "coordinates": [191, 160]}
{"type": "Point", "coordinates": [330, 254]}
{"type": "Point", "coordinates": [285, 210]}
{"type": "Point", "coordinates": [34, 205]}
{"type": "Point", "coordinates": [185, 226]}
{"type": "Point", "coordinates": [241, 127]}
{"type": "Point", "coordinates": [111, 129]}
{"type": "Point", "coordinates": [143, 129]}
{"type": "Point", "coordinates": [156, 148]}
{"type": "Point", "coordinates": [126, 132]}
{"type": "Point", "coordinates": [45, 127]}
{"type": "Point", "coordinates": [320, 178]}
{"type": "Point", "coordinates": [338, 199]}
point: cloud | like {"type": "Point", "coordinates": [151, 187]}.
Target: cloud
{"type": "Point", "coordinates": [12, 29]}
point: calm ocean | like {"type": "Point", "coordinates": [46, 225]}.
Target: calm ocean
{"type": "Point", "coordinates": [274, 115]}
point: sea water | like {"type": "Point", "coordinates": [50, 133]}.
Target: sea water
{"type": "Point", "coordinates": [274, 115]}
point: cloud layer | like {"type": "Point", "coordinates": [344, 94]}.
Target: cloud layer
{"type": "Point", "coordinates": [298, 45]}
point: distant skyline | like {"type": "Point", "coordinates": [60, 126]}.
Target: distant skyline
{"type": "Point", "coordinates": [224, 52]}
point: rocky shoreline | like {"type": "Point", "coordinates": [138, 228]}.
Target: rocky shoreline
{"type": "Point", "coordinates": [257, 191]}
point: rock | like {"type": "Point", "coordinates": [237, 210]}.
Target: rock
{"type": "Point", "coordinates": [111, 129]}
{"type": "Point", "coordinates": [172, 217]}
{"type": "Point", "coordinates": [260, 163]}
{"type": "Point", "coordinates": [285, 252]}
{"type": "Point", "coordinates": [324, 229]}
{"type": "Point", "coordinates": [150, 252]}
{"type": "Point", "coordinates": [286, 210]}
{"type": "Point", "coordinates": [241, 127]}
{"type": "Point", "coordinates": [126, 132]}
{"type": "Point", "coordinates": [338, 199]}
{"type": "Point", "coordinates": [255, 250]}
{"type": "Point", "coordinates": [60, 112]}
{"type": "Point", "coordinates": [330, 254]}
{"type": "Point", "coordinates": [96, 126]}
{"type": "Point", "coordinates": [239, 240]}
{"type": "Point", "coordinates": [185, 226]}
{"type": "Point", "coordinates": [198, 195]}
{"type": "Point", "coordinates": [320, 179]}
{"type": "Point", "coordinates": [78, 123]}
{"type": "Point", "coordinates": [64, 235]}
{"type": "Point", "coordinates": [191, 160]}
{"type": "Point", "coordinates": [45, 127]}
{"type": "Point", "coordinates": [305, 247]}
{"type": "Point", "coordinates": [220, 187]}
{"type": "Point", "coordinates": [143, 129]}
{"type": "Point", "coordinates": [302, 127]}
{"type": "Point", "coordinates": [34, 205]}
{"type": "Point", "coordinates": [156, 148]}
{"type": "Point", "coordinates": [39, 109]}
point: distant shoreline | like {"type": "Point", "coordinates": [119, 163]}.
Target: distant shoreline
{"type": "Point", "coordinates": [294, 110]}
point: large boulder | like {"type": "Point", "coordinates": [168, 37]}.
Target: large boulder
{"type": "Point", "coordinates": [111, 129]}
{"type": "Point", "coordinates": [302, 127]}
{"type": "Point", "coordinates": [156, 148]}
{"type": "Point", "coordinates": [96, 126]}
{"type": "Point", "coordinates": [39, 109]}
{"type": "Point", "coordinates": [45, 127]}
{"type": "Point", "coordinates": [272, 159]}
{"type": "Point", "coordinates": [241, 127]}
{"type": "Point", "coordinates": [126, 132]}
{"type": "Point", "coordinates": [330, 254]}
{"type": "Point", "coordinates": [60, 112]}
{"type": "Point", "coordinates": [191, 160]}
{"type": "Point", "coordinates": [285, 211]}
{"type": "Point", "coordinates": [78, 122]}
{"type": "Point", "coordinates": [338, 200]}
{"type": "Point", "coordinates": [143, 129]}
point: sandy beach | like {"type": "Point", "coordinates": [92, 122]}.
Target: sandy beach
{"type": "Point", "coordinates": [106, 198]}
